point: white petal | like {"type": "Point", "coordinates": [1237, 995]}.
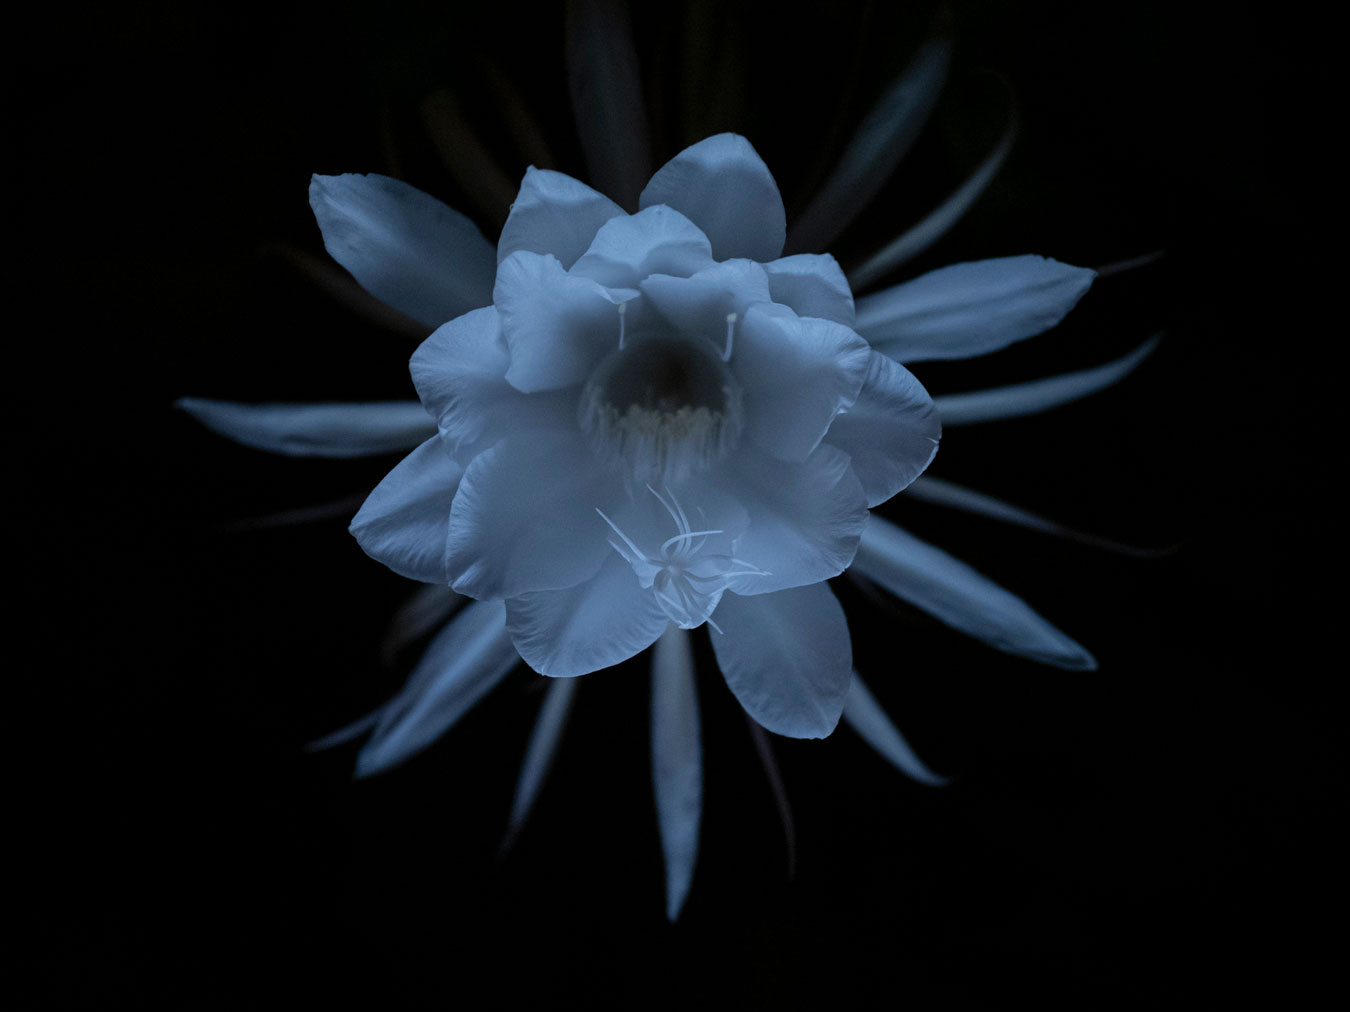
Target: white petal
{"type": "Point", "coordinates": [316, 430]}
{"type": "Point", "coordinates": [544, 741]}
{"type": "Point", "coordinates": [972, 308]}
{"type": "Point", "coordinates": [699, 304]}
{"type": "Point", "coordinates": [797, 373]}
{"type": "Point", "coordinates": [404, 247]}
{"type": "Point", "coordinates": [405, 521]}
{"type": "Point", "coordinates": [555, 325]}
{"type": "Point", "coordinates": [805, 519]}
{"type": "Point", "coordinates": [658, 240]}
{"type": "Point", "coordinates": [723, 186]}
{"type": "Point", "coordinates": [865, 715]}
{"type": "Point", "coordinates": [891, 431]}
{"type": "Point", "coordinates": [881, 140]}
{"type": "Point", "coordinates": [787, 657]}
{"type": "Point", "coordinates": [524, 518]}
{"type": "Point", "coordinates": [1038, 395]}
{"type": "Point", "coordinates": [677, 762]}
{"type": "Point", "coordinates": [813, 285]}
{"type": "Point", "coordinates": [602, 621]}
{"type": "Point", "coordinates": [465, 660]}
{"type": "Point", "coordinates": [554, 214]}
{"type": "Point", "coordinates": [948, 589]}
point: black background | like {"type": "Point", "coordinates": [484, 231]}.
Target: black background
{"type": "Point", "coordinates": [1160, 830]}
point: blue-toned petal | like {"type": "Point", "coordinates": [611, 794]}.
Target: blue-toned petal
{"type": "Point", "coordinates": [599, 622]}
{"type": "Point", "coordinates": [971, 309]}
{"type": "Point", "coordinates": [787, 657]}
{"type": "Point", "coordinates": [813, 284]}
{"type": "Point", "coordinates": [951, 591]}
{"type": "Point", "coordinates": [699, 304]}
{"type": "Point", "coordinates": [881, 140]}
{"type": "Point", "coordinates": [405, 520]}
{"type": "Point", "coordinates": [797, 374]}
{"type": "Point", "coordinates": [544, 741]}
{"type": "Point", "coordinates": [723, 186]}
{"type": "Point", "coordinates": [316, 430]}
{"type": "Point", "coordinates": [891, 432]}
{"type": "Point", "coordinates": [406, 248]}
{"type": "Point", "coordinates": [427, 608]}
{"type": "Point", "coordinates": [524, 518]}
{"type": "Point", "coordinates": [677, 762]}
{"type": "Point", "coordinates": [865, 715]}
{"type": "Point", "coordinates": [350, 732]}
{"type": "Point", "coordinates": [462, 664]}
{"type": "Point", "coordinates": [657, 240]}
{"type": "Point", "coordinates": [556, 214]}
{"type": "Point", "coordinates": [1030, 398]}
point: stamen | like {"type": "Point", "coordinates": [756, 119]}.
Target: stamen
{"type": "Point", "coordinates": [731, 331]}
{"type": "Point", "coordinates": [623, 312]}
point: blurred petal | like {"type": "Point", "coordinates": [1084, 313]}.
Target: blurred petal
{"type": "Point", "coordinates": [951, 591]}
{"type": "Point", "coordinates": [428, 607]}
{"type": "Point", "coordinates": [723, 186]}
{"type": "Point", "coordinates": [787, 657]}
{"type": "Point", "coordinates": [465, 155]}
{"type": "Point", "coordinates": [345, 734]}
{"type": "Point", "coordinates": [405, 520]}
{"type": "Point", "coordinates": [404, 247]}
{"type": "Point", "coordinates": [891, 432]}
{"type": "Point", "coordinates": [1038, 395]}
{"type": "Point", "coordinates": [657, 240]}
{"type": "Point", "coordinates": [544, 741]}
{"type": "Point", "coordinates": [866, 717]}
{"type": "Point", "coordinates": [881, 140]}
{"type": "Point", "coordinates": [677, 762]}
{"type": "Point", "coordinates": [601, 621]}
{"type": "Point", "coordinates": [556, 214]}
{"type": "Point", "coordinates": [465, 660]}
{"type": "Point", "coordinates": [971, 309]}
{"type": "Point", "coordinates": [316, 430]}
{"type": "Point", "coordinates": [813, 285]}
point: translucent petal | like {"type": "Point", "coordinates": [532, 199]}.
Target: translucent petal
{"type": "Point", "coordinates": [406, 248]}
{"type": "Point", "coordinates": [813, 285]}
{"type": "Point", "coordinates": [951, 591]}
{"type": "Point", "coordinates": [462, 664]}
{"type": "Point", "coordinates": [427, 608]}
{"type": "Point", "coordinates": [723, 186]}
{"type": "Point", "coordinates": [657, 240]}
{"type": "Point", "coordinates": [556, 214]}
{"type": "Point", "coordinates": [405, 520]}
{"type": "Point", "coordinates": [865, 715]}
{"type": "Point", "coordinates": [544, 742]}
{"type": "Point", "coordinates": [891, 432]}
{"type": "Point", "coordinates": [787, 657]}
{"type": "Point", "coordinates": [1038, 395]}
{"type": "Point", "coordinates": [971, 309]}
{"type": "Point", "coordinates": [677, 762]}
{"type": "Point", "coordinates": [316, 430]}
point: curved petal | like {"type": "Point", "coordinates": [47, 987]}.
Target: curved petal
{"type": "Point", "coordinates": [891, 431]}
{"type": "Point", "coordinates": [724, 188]}
{"type": "Point", "coordinates": [700, 303]}
{"type": "Point", "coordinates": [555, 325]}
{"type": "Point", "coordinates": [787, 657]}
{"type": "Point", "coordinates": [677, 762]}
{"type": "Point", "coordinates": [866, 716]}
{"type": "Point", "coordinates": [462, 664]}
{"type": "Point", "coordinates": [554, 213]}
{"type": "Point", "coordinates": [805, 519]}
{"type": "Point", "coordinates": [971, 309]}
{"type": "Point", "coordinates": [315, 430]}
{"type": "Point", "coordinates": [797, 374]}
{"type": "Point", "coordinates": [657, 240]}
{"type": "Point", "coordinates": [813, 284]}
{"type": "Point", "coordinates": [425, 609]}
{"type": "Point", "coordinates": [544, 741]}
{"type": "Point", "coordinates": [524, 518]}
{"type": "Point", "coordinates": [1038, 395]}
{"type": "Point", "coordinates": [601, 621]}
{"type": "Point", "coordinates": [406, 248]}
{"type": "Point", "coordinates": [405, 521]}
{"type": "Point", "coordinates": [951, 591]}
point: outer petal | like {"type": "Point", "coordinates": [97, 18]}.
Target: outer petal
{"type": "Point", "coordinates": [677, 762]}
{"type": "Point", "coordinates": [891, 431]}
{"type": "Point", "coordinates": [544, 741]}
{"type": "Point", "coordinates": [797, 374]}
{"type": "Point", "coordinates": [972, 308]}
{"type": "Point", "coordinates": [658, 240]}
{"type": "Point", "coordinates": [787, 657]}
{"type": "Point", "coordinates": [866, 716]}
{"type": "Point", "coordinates": [556, 214]}
{"type": "Point", "coordinates": [725, 188]}
{"type": "Point", "coordinates": [602, 621]}
{"type": "Point", "coordinates": [405, 520]}
{"type": "Point", "coordinates": [315, 430]}
{"type": "Point", "coordinates": [805, 519]}
{"type": "Point", "coordinates": [813, 284]}
{"type": "Point", "coordinates": [555, 325]}
{"type": "Point", "coordinates": [524, 518]}
{"type": "Point", "coordinates": [406, 248]}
